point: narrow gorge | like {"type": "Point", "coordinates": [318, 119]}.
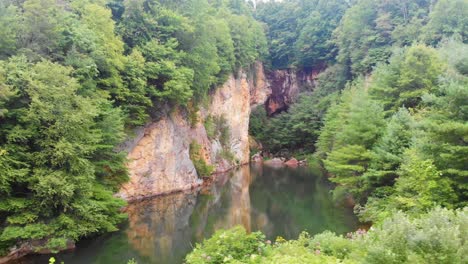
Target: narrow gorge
{"type": "Point", "coordinates": [199, 131]}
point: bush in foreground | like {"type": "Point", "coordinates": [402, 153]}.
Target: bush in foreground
{"type": "Point", "coordinates": [438, 236]}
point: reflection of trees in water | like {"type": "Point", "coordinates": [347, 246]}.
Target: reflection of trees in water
{"type": "Point", "coordinates": [287, 201]}
{"type": "Point", "coordinates": [163, 230]}
{"type": "Point", "coordinates": [280, 201]}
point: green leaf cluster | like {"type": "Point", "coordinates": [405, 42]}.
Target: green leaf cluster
{"type": "Point", "coordinates": [381, 157]}
{"type": "Point", "coordinates": [434, 237]}
{"type": "Point", "coordinates": [58, 162]}
{"type": "Point", "coordinates": [300, 32]}
{"type": "Point", "coordinates": [75, 76]}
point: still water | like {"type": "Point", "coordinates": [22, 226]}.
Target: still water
{"type": "Point", "coordinates": [277, 201]}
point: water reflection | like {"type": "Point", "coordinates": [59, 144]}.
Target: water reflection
{"type": "Point", "coordinates": [279, 202]}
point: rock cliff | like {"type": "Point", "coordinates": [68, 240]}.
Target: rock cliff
{"type": "Point", "coordinates": [159, 159]}
{"type": "Point", "coordinates": [286, 85]}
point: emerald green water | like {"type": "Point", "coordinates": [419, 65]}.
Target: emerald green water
{"type": "Point", "coordinates": [277, 201]}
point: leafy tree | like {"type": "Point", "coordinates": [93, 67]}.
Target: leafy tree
{"type": "Point", "coordinates": [136, 98]}
{"type": "Point", "coordinates": [52, 141]}
{"type": "Point", "coordinates": [314, 46]}
{"type": "Point", "coordinates": [108, 50]}
{"type": "Point", "coordinates": [409, 75]}
{"type": "Point", "coordinates": [282, 30]}
{"type": "Point", "coordinates": [409, 194]}
{"type": "Point", "coordinates": [444, 133]}
{"type": "Point", "coordinates": [165, 72]}
{"type": "Point", "coordinates": [349, 135]}
{"type": "Point", "coordinates": [248, 38]}
{"type": "Point", "coordinates": [387, 154]}
{"type": "Point", "coordinates": [144, 20]}
{"type": "Point", "coordinates": [448, 17]}
{"type": "Point", "coordinates": [9, 24]}
{"type": "Point", "coordinates": [369, 29]}
{"type": "Point", "coordinates": [42, 29]}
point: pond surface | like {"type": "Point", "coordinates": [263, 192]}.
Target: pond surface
{"type": "Point", "coordinates": [277, 201]}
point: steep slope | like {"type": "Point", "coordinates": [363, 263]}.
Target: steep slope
{"type": "Point", "coordinates": [159, 159]}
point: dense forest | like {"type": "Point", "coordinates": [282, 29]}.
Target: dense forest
{"type": "Point", "coordinates": [388, 118]}
{"type": "Point", "coordinates": [76, 76]}
{"type": "Point", "coordinates": [389, 111]}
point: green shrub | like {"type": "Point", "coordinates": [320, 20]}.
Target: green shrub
{"type": "Point", "coordinates": [203, 169]}
{"type": "Point", "coordinates": [193, 109]}
{"type": "Point", "coordinates": [435, 237]}
{"type": "Point", "coordinates": [228, 246]}
{"type": "Point", "coordinates": [332, 245]}
{"type": "Point", "coordinates": [296, 251]}
{"type": "Point", "coordinates": [228, 155]}
{"type": "Point", "coordinates": [216, 128]}
{"type": "Point", "coordinates": [210, 127]}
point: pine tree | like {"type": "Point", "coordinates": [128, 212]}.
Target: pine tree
{"type": "Point", "coordinates": [387, 154]}
{"type": "Point", "coordinates": [410, 74]}
{"type": "Point", "coordinates": [57, 151]}
{"type": "Point", "coordinates": [353, 131]}
{"type": "Point", "coordinates": [420, 187]}
{"type": "Point", "coordinates": [445, 130]}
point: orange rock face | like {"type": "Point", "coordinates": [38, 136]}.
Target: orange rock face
{"type": "Point", "coordinates": [292, 163]}
{"type": "Point", "coordinates": [159, 160]}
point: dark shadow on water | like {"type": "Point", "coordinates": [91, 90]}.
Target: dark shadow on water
{"type": "Point", "coordinates": [279, 202]}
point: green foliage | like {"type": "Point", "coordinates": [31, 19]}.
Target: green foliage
{"type": "Point", "coordinates": [365, 153]}
{"type": "Point", "coordinates": [295, 251]}
{"type": "Point", "coordinates": [434, 237]}
{"type": "Point", "coordinates": [9, 25]}
{"type": "Point", "coordinates": [407, 78]}
{"type": "Point", "coordinates": [210, 127]}
{"type": "Point", "coordinates": [233, 246]}
{"type": "Point", "coordinates": [228, 155]}
{"type": "Point", "coordinates": [314, 46]}
{"type": "Point", "coordinates": [347, 138]}
{"type": "Point", "coordinates": [299, 32]}
{"type": "Point", "coordinates": [449, 17]}
{"type": "Point", "coordinates": [132, 261]}
{"type": "Point", "coordinates": [444, 133]}
{"type": "Point", "coordinates": [202, 167]}
{"type": "Point", "coordinates": [387, 154]}
{"type": "Point", "coordinates": [297, 129]}
{"type": "Point", "coordinates": [217, 129]}
{"type": "Point", "coordinates": [135, 99]}
{"type": "Point", "coordinates": [409, 194]}
{"type": "Point", "coordinates": [57, 155]}
{"type": "Point", "coordinates": [370, 28]}
{"type": "Point", "coordinates": [168, 78]}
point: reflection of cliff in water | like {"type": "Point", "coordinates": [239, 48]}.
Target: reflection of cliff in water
{"type": "Point", "coordinates": [279, 202]}
{"type": "Point", "coordinates": [225, 205]}
{"type": "Point", "coordinates": [161, 227]}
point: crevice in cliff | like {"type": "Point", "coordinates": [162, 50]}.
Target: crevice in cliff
{"type": "Point", "coordinates": [286, 85]}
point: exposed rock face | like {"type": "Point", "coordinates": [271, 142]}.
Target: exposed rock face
{"type": "Point", "coordinates": [286, 86]}
{"type": "Point", "coordinates": [159, 160]}
{"type": "Point", "coordinates": [292, 162]}
{"type": "Point", "coordinates": [257, 157]}
{"type": "Point", "coordinates": [275, 162]}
